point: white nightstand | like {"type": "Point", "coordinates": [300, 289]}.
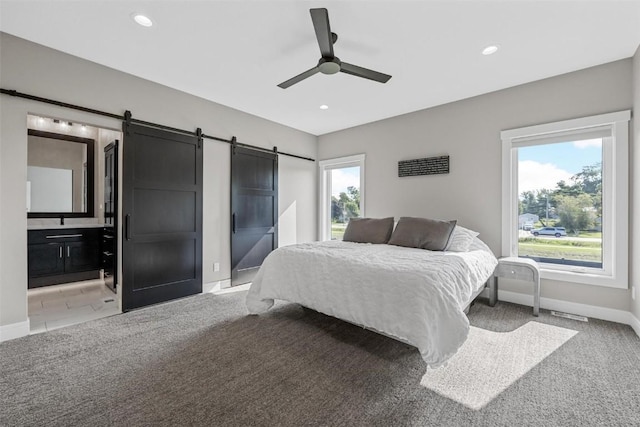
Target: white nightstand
{"type": "Point", "coordinates": [520, 269]}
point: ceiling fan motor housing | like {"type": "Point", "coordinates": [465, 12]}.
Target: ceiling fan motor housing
{"type": "Point", "coordinates": [329, 65]}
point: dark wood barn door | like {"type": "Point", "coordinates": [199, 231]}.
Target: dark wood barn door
{"type": "Point", "coordinates": [162, 213]}
{"type": "Point", "coordinates": [254, 210]}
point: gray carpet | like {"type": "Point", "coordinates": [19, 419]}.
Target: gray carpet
{"type": "Point", "coordinates": [202, 361]}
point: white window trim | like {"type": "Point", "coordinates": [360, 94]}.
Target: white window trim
{"type": "Point", "coordinates": [324, 192]}
{"type": "Point", "coordinates": [615, 272]}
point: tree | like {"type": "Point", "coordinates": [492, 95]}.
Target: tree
{"type": "Point", "coordinates": [579, 203]}
{"type": "Point", "coordinates": [336, 210]}
{"type": "Point", "coordinates": [354, 194]}
{"type": "Point", "coordinates": [346, 205]}
{"type": "Point", "coordinates": [535, 202]}
{"type": "Point", "coordinates": [528, 202]}
{"type": "Point", "coordinates": [590, 179]}
{"type": "Point", "coordinates": [564, 189]}
{"type": "Point", "coordinates": [576, 212]}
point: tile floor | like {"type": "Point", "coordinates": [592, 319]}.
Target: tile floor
{"type": "Point", "coordinates": [53, 307]}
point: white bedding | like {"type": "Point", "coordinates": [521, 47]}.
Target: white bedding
{"type": "Point", "coordinates": [414, 295]}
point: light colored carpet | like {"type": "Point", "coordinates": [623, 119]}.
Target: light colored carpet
{"type": "Point", "coordinates": [489, 362]}
{"type": "Point", "coordinates": [202, 361]}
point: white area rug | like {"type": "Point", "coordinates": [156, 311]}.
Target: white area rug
{"type": "Point", "coordinates": [489, 362]}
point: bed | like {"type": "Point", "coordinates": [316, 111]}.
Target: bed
{"type": "Point", "coordinates": [414, 295]}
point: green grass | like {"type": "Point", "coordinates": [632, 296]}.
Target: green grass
{"type": "Point", "coordinates": [585, 251]}
{"type": "Point", "coordinates": [591, 234]}
{"type": "Point", "coordinates": [337, 230]}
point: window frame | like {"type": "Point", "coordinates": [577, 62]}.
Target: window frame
{"type": "Point", "coordinates": [324, 200]}
{"type": "Point", "coordinates": [615, 196]}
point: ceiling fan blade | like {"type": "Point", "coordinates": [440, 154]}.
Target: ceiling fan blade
{"type": "Point", "coordinates": [299, 78]}
{"type": "Point", "coordinates": [320, 18]}
{"type": "Point", "coordinates": [354, 70]}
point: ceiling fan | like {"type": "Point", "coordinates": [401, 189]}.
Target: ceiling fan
{"type": "Point", "coordinates": [329, 63]}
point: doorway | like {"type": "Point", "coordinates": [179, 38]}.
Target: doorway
{"type": "Point", "coordinates": [66, 222]}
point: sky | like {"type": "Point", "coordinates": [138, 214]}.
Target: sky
{"type": "Point", "coordinates": [542, 166]}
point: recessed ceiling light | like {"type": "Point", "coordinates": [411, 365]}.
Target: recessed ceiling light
{"type": "Point", "coordinates": [490, 50]}
{"type": "Point", "coordinates": [142, 19]}
{"type": "Point", "coordinates": [324, 107]}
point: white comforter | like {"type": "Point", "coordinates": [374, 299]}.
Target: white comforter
{"type": "Point", "coordinates": [414, 295]}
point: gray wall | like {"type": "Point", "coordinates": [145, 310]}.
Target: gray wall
{"type": "Point", "coordinates": [34, 69]}
{"type": "Point", "coordinates": [469, 132]}
{"type": "Point", "coordinates": [634, 244]}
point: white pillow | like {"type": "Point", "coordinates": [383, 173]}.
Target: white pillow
{"type": "Point", "coordinates": [461, 239]}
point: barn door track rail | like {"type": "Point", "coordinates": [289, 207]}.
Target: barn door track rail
{"type": "Point", "coordinates": [128, 118]}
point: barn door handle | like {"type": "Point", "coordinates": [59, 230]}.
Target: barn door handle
{"type": "Point", "coordinates": [233, 222]}
{"type": "Point", "coordinates": [127, 226]}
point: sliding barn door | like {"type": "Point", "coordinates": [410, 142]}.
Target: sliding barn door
{"type": "Point", "coordinates": [254, 211]}
{"type": "Point", "coordinates": [162, 213]}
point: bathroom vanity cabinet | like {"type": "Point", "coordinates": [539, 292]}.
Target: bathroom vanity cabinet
{"type": "Point", "coordinates": [62, 255]}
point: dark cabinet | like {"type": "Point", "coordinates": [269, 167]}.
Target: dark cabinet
{"type": "Point", "coordinates": [46, 259]}
{"type": "Point", "coordinates": [63, 255]}
{"type": "Point", "coordinates": [109, 257]}
{"type": "Point", "coordinates": [82, 256]}
{"type": "Point", "coordinates": [109, 235]}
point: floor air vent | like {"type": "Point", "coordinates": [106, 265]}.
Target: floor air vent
{"type": "Point", "coordinates": [569, 316]}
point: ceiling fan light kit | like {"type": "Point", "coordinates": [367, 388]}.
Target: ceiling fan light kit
{"type": "Point", "coordinates": [329, 63]}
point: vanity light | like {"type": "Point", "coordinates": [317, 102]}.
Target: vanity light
{"type": "Point", "coordinates": [142, 20]}
{"type": "Point", "coordinates": [56, 121]}
{"type": "Point", "coordinates": [324, 107]}
{"type": "Point", "coordinates": [489, 50]}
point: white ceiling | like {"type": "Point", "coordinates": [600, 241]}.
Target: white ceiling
{"type": "Point", "coordinates": [236, 52]}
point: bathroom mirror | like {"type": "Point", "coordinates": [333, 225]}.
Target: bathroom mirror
{"type": "Point", "coordinates": [60, 175]}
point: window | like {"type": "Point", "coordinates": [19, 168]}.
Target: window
{"type": "Point", "coordinates": [341, 194]}
{"type": "Point", "coordinates": [565, 198]}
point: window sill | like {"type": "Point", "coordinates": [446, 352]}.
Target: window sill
{"type": "Point", "coordinates": [607, 281]}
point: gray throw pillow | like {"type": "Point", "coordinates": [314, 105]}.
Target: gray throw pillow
{"type": "Point", "coordinates": [369, 230]}
{"type": "Point", "coordinates": [422, 233]}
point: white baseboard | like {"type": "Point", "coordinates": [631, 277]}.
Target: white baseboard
{"type": "Point", "coordinates": [14, 330]}
{"type": "Point", "coordinates": [634, 323]}
{"type": "Point", "coordinates": [216, 286]}
{"type": "Point", "coordinates": [602, 313]}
